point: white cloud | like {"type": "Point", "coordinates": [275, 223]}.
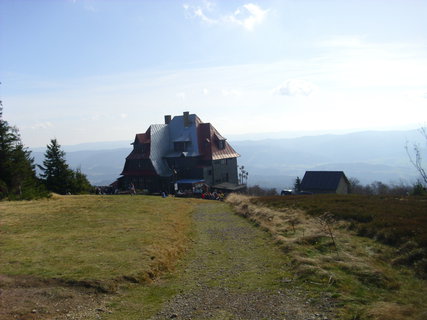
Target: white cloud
{"type": "Point", "coordinates": [199, 12]}
{"type": "Point", "coordinates": [123, 115]}
{"type": "Point", "coordinates": [42, 125]}
{"type": "Point", "coordinates": [205, 91]}
{"type": "Point", "coordinates": [295, 87]}
{"type": "Point", "coordinates": [247, 16]}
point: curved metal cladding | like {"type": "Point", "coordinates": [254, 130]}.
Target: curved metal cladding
{"type": "Point", "coordinates": [184, 131]}
{"type": "Point", "coordinates": [159, 149]}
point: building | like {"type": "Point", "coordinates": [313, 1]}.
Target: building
{"type": "Point", "coordinates": [182, 152]}
{"type": "Point", "coordinates": [325, 182]}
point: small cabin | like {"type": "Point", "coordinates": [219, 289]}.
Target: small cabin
{"type": "Point", "coordinates": [325, 182]}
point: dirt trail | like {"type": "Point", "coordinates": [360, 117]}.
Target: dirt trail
{"type": "Point", "coordinates": [235, 272]}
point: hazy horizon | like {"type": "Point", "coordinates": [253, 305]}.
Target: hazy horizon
{"type": "Point", "coordinates": [256, 136]}
{"type": "Point", "coordinates": [92, 70]}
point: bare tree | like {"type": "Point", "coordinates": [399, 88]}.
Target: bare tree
{"type": "Point", "coordinates": [416, 157]}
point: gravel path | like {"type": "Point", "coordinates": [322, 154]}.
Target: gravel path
{"type": "Point", "coordinates": [235, 272]}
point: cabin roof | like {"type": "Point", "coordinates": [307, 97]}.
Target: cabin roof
{"type": "Point", "coordinates": [322, 180]}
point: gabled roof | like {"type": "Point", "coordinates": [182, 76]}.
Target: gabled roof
{"type": "Point", "coordinates": [134, 155]}
{"type": "Point", "coordinates": [143, 137]}
{"type": "Point", "coordinates": [322, 180]}
{"type": "Point", "coordinates": [208, 144]}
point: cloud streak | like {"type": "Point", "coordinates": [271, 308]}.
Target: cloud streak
{"type": "Point", "coordinates": [42, 125]}
{"type": "Point", "coordinates": [247, 16]}
{"type": "Point", "coordinates": [295, 87]}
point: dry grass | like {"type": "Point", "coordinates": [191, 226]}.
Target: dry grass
{"type": "Point", "coordinates": [100, 242]}
{"type": "Point", "coordinates": [355, 270]}
{"type": "Point", "coordinates": [391, 311]}
{"type": "Point", "coordinates": [98, 238]}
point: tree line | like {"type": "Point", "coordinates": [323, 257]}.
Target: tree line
{"type": "Point", "coordinates": [18, 178]}
{"type": "Point", "coordinates": [375, 188]}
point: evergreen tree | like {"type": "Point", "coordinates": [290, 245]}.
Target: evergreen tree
{"type": "Point", "coordinates": [56, 174]}
{"type": "Point", "coordinates": [297, 185]}
{"type": "Point", "coordinates": [17, 171]}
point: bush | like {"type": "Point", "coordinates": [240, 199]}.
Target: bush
{"type": "Point", "coordinates": [256, 190]}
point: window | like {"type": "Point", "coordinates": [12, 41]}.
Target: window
{"type": "Point", "coordinates": [221, 144]}
{"type": "Point", "coordinates": [181, 146]}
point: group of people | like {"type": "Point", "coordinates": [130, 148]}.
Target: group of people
{"type": "Point", "coordinates": [106, 190]}
{"type": "Point", "coordinates": [213, 196]}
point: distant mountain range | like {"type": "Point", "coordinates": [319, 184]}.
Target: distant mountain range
{"type": "Point", "coordinates": [275, 163]}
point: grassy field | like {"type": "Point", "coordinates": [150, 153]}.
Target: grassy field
{"type": "Point", "coordinates": [72, 252]}
{"type": "Point", "coordinates": [391, 220]}
{"type": "Point", "coordinates": [233, 258]}
{"type": "Point", "coordinates": [101, 242]}
{"type": "Point", "coordinates": [328, 254]}
{"type": "Point", "coordinates": [397, 221]}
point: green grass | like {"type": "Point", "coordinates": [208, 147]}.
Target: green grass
{"type": "Point", "coordinates": [213, 262]}
{"type": "Point", "coordinates": [93, 238]}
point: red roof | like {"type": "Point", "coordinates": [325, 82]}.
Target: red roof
{"type": "Point", "coordinates": [142, 138]}
{"type": "Point", "coordinates": [208, 144]}
{"type": "Point", "coordinates": [134, 155]}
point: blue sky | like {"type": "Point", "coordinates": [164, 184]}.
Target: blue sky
{"type": "Point", "coordinates": [92, 70]}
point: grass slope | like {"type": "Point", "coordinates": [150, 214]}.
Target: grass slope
{"type": "Point", "coordinates": [328, 257]}
{"type": "Point", "coordinates": [97, 241]}
{"type": "Point", "coordinates": [233, 271]}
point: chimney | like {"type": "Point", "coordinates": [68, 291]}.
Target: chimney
{"type": "Point", "coordinates": [186, 119]}
{"type": "Point", "coordinates": [168, 119]}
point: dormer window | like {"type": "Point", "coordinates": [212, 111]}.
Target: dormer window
{"type": "Point", "coordinates": [181, 146]}
{"type": "Point", "coordinates": [221, 144]}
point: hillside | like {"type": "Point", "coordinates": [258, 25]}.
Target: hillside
{"type": "Point", "coordinates": [368, 156]}
{"type": "Point", "coordinates": [369, 253]}
{"type": "Point", "coordinates": [95, 257]}
{"type": "Point", "coordinates": [62, 257]}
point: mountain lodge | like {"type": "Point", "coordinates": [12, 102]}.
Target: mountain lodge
{"type": "Point", "coordinates": [184, 152]}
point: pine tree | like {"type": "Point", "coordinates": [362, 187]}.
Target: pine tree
{"type": "Point", "coordinates": [297, 185]}
{"type": "Point", "coordinates": [17, 171]}
{"type": "Point", "coordinates": [56, 174]}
